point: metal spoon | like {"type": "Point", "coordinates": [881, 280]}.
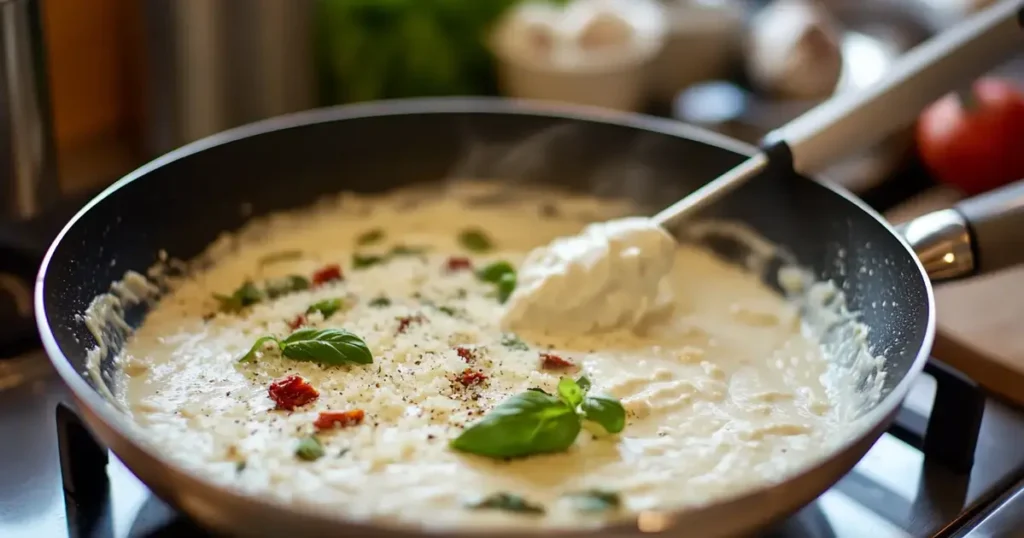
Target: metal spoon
{"type": "Point", "coordinates": [852, 121]}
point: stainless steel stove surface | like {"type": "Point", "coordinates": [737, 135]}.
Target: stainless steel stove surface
{"type": "Point", "coordinates": [53, 482]}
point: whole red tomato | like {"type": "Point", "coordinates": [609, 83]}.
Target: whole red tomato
{"type": "Point", "coordinates": [975, 142]}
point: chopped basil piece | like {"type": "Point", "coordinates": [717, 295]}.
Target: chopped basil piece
{"type": "Point", "coordinates": [370, 237]}
{"type": "Point", "coordinates": [475, 240]}
{"type": "Point", "coordinates": [361, 261]}
{"type": "Point", "coordinates": [380, 302]}
{"type": "Point", "coordinates": [324, 346]}
{"type": "Point", "coordinates": [240, 466]}
{"type": "Point", "coordinates": [570, 392]}
{"type": "Point", "coordinates": [277, 287]}
{"type": "Point", "coordinates": [342, 452]}
{"type": "Point", "coordinates": [327, 307]}
{"type": "Point", "coordinates": [508, 502]}
{"type": "Point", "coordinates": [595, 500]}
{"type": "Point", "coordinates": [506, 286]}
{"type": "Point", "coordinates": [246, 295]}
{"type": "Point", "coordinates": [526, 424]}
{"type": "Point", "coordinates": [583, 383]}
{"type": "Point", "coordinates": [447, 310]}
{"type": "Point", "coordinates": [282, 256]}
{"type": "Point", "coordinates": [309, 449]}
{"type": "Point", "coordinates": [404, 250]}
{"type": "Point", "coordinates": [607, 412]}
{"type": "Point", "coordinates": [512, 341]}
{"type": "Point", "coordinates": [493, 272]}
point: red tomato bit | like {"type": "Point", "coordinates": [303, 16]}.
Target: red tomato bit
{"type": "Point", "coordinates": [471, 377]}
{"type": "Point", "coordinates": [291, 392]}
{"type": "Point", "coordinates": [458, 263]}
{"type": "Point", "coordinates": [405, 321]}
{"type": "Point", "coordinates": [299, 321]}
{"type": "Point", "coordinates": [550, 361]}
{"type": "Point", "coordinates": [339, 419]}
{"type": "Point", "coordinates": [327, 274]}
{"type": "Point", "coordinates": [466, 354]}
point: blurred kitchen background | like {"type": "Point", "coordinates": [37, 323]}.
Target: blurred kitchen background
{"type": "Point", "coordinates": [131, 79]}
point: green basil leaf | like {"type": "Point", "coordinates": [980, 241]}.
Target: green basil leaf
{"type": "Point", "coordinates": [309, 449]}
{"type": "Point", "coordinates": [282, 286]}
{"type": "Point", "coordinates": [528, 423]}
{"type": "Point", "coordinates": [512, 341]}
{"type": "Point", "coordinates": [570, 392]}
{"type": "Point", "coordinates": [326, 346]}
{"type": "Point", "coordinates": [257, 346]}
{"type": "Point", "coordinates": [584, 383]}
{"type": "Point", "coordinates": [508, 502]}
{"type": "Point", "coordinates": [450, 311]}
{"type": "Point", "coordinates": [327, 307]}
{"type": "Point", "coordinates": [506, 286]}
{"type": "Point", "coordinates": [380, 302]}
{"type": "Point", "coordinates": [607, 412]}
{"type": "Point", "coordinates": [493, 272]}
{"type": "Point", "coordinates": [361, 261]}
{"type": "Point", "coordinates": [403, 250]}
{"type": "Point", "coordinates": [240, 466]}
{"type": "Point", "coordinates": [370, 237]}
{"type": "Point", "coordinates": [475, 240]}
{"type": "Point", "coordinates": [595, 500]}
{"type": "Point", "coordinates": [284, 255]}
{"type": "Point", "coordinates": [246, 295]}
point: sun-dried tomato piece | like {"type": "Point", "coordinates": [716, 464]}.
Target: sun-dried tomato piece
{"type": "Point", "coordinates": [466, 354]}
{"type": "Point", "coordinates": [339, 419]}
{"type": "Point", "coordinates": [291, 392]}
{"type": "Point", "coordinates": [470, 376]}
{"type": "Point", "coordinates": [550, 361]}
{"type": "Point", "coordinates": [458, 263]}
{"type": "Point", "coordinates": [405, 321]}
{"type": "Point", "coordinates": [297, 322]}
{"type": "Point", "coordinates": [328, 273]}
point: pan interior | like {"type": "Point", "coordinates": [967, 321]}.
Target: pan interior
{"type": "Point", "coordinates": [181, 206]}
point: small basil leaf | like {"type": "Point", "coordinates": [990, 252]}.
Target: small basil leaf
{"type": "Point", "coordinates": [327, 307]}
{"type": "Point", "coordinates": [447, 310]}
{"type": "Point", "coordinates": [257, 346]}
{"type": "Point", "coordinates": [240, 466]}
{"type": "Point", "coordinates": [326, 346]}
{"type": "Point", "coordinates": [540, 390]}
{"type": "Point", "coordinates": [595, 500]}
{"type": "Point", "coordinates": [570, 392]}
{"type": "Point", "coordinates": [506, 286]}
{"type": "Point", "coordinates": [246, 295]}
{"type": "Point", "coordinates": [361, 261]}
{"type": "Point", "coordinates": [282, 256]}
{"type": "Point", "coordinates": [475, 240]}
{"type": "Point", "coordinates": [512, 341]}
{"type": "Point", "coordinates": [285, 285]}
{"type": "Point", "coordinates": [404, 250]}
{"type": "Point", "coordinates": [508, 502]}
{"type": "Point", "coordinates": [370, 237]}
{"type": "Point", "coordinates": [584, 383]}
{"type": "Point", "coordinates": [309, 449]}
{"type": "Point", "coordinates": [493, 272]}
{"type": "Point", "coordinates": [380, 302]}
{"type": "Point", "coordinates": [607, 412]}
{"type": "Point", "coordinates": [528, 423]}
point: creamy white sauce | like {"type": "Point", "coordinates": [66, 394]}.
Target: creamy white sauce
{"type": "Point", "coordinates": [724, 390]}
{"type": "Point", "coordinates": [607, 277]}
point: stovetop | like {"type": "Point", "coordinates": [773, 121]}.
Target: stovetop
{"type": "Point", "coordinates": [964, 478]}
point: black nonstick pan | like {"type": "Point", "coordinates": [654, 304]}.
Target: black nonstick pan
{"type": "Point", "coordinates": [183, 201]}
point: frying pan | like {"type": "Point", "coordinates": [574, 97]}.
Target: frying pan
{"type": "Point", "coordinates": [183, 201]}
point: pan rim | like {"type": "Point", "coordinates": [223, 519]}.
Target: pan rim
{"type": "Point", "coordinates": [96, 404]}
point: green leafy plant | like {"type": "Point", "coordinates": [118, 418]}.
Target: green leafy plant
{"type": "Point", "coordinates": [535, 422]}
{"type": "Point", "coordinates": [323, 346]}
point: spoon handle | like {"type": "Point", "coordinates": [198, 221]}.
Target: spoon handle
{"type": "Point", "coordinates": [852, 121]}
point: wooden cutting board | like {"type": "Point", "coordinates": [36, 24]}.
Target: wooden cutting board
{"type": "Point", "coordinates": [980, 320]}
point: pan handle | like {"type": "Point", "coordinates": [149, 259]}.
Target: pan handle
{"type": "Point", "coordinates": [854, 120]}
{"type": "Point", "coordinates": [979, 235]}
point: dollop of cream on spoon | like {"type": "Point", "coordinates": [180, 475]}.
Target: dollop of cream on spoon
{"type": "Point", "coordinates": [605, 278]}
